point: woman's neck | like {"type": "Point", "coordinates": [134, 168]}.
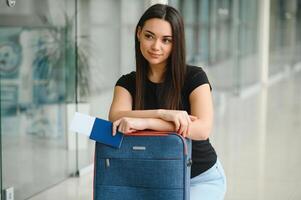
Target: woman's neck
{"type": "Point", "coordinates": [156, 73]}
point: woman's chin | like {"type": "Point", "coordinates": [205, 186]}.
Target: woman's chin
{"type": "Point", "coordinates": [153, 61]}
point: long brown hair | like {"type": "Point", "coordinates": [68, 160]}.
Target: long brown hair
{"type": "Point", "coordinates": [176, 64]}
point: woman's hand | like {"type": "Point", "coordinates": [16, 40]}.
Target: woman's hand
{"type": "Point", "coordinates": [129, 125]}
{"type": "Point", "coordinates": [180, 118]}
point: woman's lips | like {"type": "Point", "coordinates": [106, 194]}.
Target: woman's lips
{"type": "Point", "coordinates": [154, 55]}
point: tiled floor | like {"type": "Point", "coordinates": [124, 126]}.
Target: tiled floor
{"type": "Point", "coordinates": [71, 189]}
{"type": "Point", "coordinates": [257, 139]}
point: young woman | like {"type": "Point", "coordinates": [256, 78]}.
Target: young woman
{"type": "Point", "coordinates": [166, 94]}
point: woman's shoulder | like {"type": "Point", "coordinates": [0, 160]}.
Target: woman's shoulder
{"type": "Point", "coordinates": [128, 77]}
{"type": "Point", "coordinates": [195, 77]}
{"type": "Point", "coordinates": [192, 70]}
{"type": "Point", "coordinates": [131, 75]}
{"type": "Point", "coordinates": [127, 80]}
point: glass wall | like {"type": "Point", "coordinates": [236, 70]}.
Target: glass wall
{"type": "Point", "coordinates": [285, 45]}
{"type": "Point", "coordinates": [54, 62]}
{"type": "Point", "coordinates": [37, 81]}
{"type": "Point", "coordinates": [106, 46]}
{"type": "Point", "coordinates": [223, 35]}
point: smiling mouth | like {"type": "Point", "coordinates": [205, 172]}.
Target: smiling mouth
{"type": "Point", "coordinates": [154, 54]}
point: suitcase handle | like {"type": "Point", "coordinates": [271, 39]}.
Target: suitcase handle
{"type": "Point", "coordinates": [148, 133]}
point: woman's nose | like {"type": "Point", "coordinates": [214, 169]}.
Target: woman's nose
{"type": "Point", "coordinates": [156, 45]}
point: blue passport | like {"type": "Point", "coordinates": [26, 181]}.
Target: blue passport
{"type": "Point", "coordinates": [96, 129]}
{"type": "Point", "coordinates": [102, 132]}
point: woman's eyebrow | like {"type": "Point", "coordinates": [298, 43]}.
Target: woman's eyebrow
{"type": "Point", "coordinates": [165, 36]}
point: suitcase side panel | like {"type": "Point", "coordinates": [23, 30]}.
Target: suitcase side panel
{"type": "Point", "coordinates": [157, 172]}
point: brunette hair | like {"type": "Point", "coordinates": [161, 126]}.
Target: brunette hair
{"type": "Point", "coordinates": [176, 65]}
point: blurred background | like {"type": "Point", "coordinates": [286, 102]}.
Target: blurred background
{"type": "Point", "coordinates": [62, 56]}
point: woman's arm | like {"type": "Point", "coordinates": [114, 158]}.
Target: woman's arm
{"type": "Point", "coordinates": [122, 107]}
{"type": "Point", "coordinates": [201, 106]}
{"type": "Point", "coordinates": [129, 125]}
{"type": "Point", "coordinates": [121, 113]}
{"type": "Point", "coordinates": [127, 120]}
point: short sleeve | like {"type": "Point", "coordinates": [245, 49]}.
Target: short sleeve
{"type": "Point", "coordinates": [196, 76]}
{"type": "Point", "coordinates": [128, 82]}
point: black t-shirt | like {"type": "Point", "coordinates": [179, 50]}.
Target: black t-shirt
{"type": "Point", "coordinates": [203, 154]}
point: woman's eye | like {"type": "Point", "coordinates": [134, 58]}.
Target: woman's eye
{"type": "Point", "coordinates": [148, 36]}
{"type": "Point", "coordinates": [166, 41]}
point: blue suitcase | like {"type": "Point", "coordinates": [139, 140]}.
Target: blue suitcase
{"type": "Point", "coordinates": [146, 167]}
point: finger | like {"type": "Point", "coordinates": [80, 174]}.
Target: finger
{"type": "Point", "coordinates": [126, 126]}
{"type": "Point", "coordinates": [183, 126]}
{"type": "Point", "coordinates": [131, 131]}
{"type": "Point", "coordinates": [192, 118]}
{"type": "Point", "coordinates": [181, 130]}
{"type": "Point", "coordinates": [127, 129]}
{"type": "Point", "coordinates": [120, 128]}
{"type": "Point", "coordinates": [124, 129]}
{"type": "Point", "coordinates": [135, 131]}
{"type": "Point", "coordinates": [114, 127]}
{"type": "Point", "coordinates": [177, 125]}
{"type": "Point", "coordinates": [188, 132]}
{"type": "Point", "coordinates": [185, 131]}
{"type": "Point", "coordinates": [188, 125]}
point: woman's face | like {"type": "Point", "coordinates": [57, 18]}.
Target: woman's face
{"type": "Point", "coordinates": [155, 41]}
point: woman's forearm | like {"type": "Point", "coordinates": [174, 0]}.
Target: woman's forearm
{"type": "Point", "coordinates": [113, 116]}
{"type": "Point", "coordinates": [199, 130]}
{"type": "Point", "coordinates": [160, 125]}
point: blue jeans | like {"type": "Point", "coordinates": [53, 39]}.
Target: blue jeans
{"type": "Point", "coordinates": [210, 185]}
